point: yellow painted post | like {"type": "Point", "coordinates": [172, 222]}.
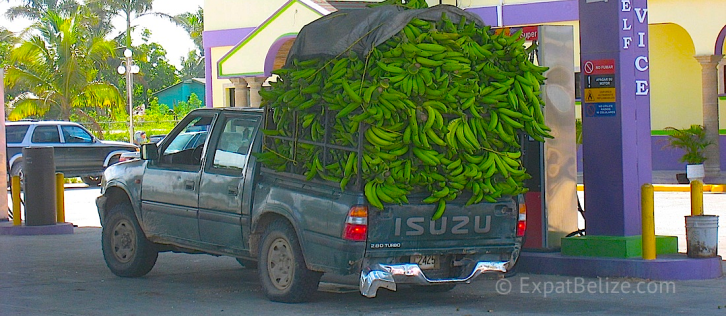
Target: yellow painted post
{"type": "Point", "coordinates": [648, 219]}
{"type": "Point", "coordinates": [696, 198]}
{"type": "Point", "coordinates": [15, 195]}
{"type": "Point", "coordinates": [60, 205]}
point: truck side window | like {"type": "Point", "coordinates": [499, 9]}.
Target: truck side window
{"type": "Point", "coordinates": [186, 147]}
{"type": "Point", "coordinates": [234, 144]}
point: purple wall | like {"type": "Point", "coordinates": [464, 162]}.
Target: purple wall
{"type": "Point", "coordinates": [666, 158]}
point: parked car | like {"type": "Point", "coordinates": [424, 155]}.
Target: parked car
{"type": "Point", "coordinates": [76, 152]}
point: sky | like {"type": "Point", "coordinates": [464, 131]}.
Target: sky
{"type": "Point", "coordinates": [173, 38]}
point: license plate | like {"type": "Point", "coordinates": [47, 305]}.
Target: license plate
{"type": "Point", "coordinates": [426, 262]}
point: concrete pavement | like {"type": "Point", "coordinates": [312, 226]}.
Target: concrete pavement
{"type": "Point", "coordinates": [66, 275]}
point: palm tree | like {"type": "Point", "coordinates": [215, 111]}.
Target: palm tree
{"type": "Point", "coordinates": [193, 23]}
{"type": "Point", "coordinates": [7, 40]}
{"type": "Point", "coordinates": [57, 68]}
{"type": "Point", "coordinates": [192, 66]}
{"type": "Point", "coordinates": [130, 10]}
{"type": "Point", "coordinates": [34, 9]}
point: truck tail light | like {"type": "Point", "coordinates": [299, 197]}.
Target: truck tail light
{"type": "Point", "coordinates": [356, 224]}
{"type": "Point", "coordinates": [522, 218]}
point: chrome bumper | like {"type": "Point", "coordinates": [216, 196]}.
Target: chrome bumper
{"type": "Point", "coordinates": [386, 275]}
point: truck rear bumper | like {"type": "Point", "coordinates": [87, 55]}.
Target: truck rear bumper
{"type": "Point", "coordinates": [388, 275]}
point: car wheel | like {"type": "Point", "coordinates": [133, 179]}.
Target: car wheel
{"type": "Point", "coordinates": [125, 248]}
{"type": "Point", "coordinates": [282, 270]}
{"type": "Point", "coordinates": [248, 264]}
{"type": "Point", "coordinates": [92, 181]}
{"type": "Point", "coordinates": [17, 170]}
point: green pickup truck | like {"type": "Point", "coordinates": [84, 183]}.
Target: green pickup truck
{"type": "Point", "coordinates": [202, 190]}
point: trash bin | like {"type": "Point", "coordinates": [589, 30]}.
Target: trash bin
{"type": "Point", "coordinates": [702, 236]}
{"type": "Point", "coordinates": [40, 192]}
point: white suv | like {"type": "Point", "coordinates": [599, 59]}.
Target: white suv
{"type": "Point", "coordinates": [77, 153]}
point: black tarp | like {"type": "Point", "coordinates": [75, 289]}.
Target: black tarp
{"type": "Point", "coordinates": [360, 30]}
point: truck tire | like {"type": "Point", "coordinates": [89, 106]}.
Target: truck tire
{"type": "Point", "coordinates": [126, 250]}
{"type": "Point", "coordinates": [282, 271]}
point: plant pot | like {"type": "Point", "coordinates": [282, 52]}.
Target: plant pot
{"type": "Point", "coordinates": [682, 178]}
{"type": "Point", "coordinates": [695, 172]}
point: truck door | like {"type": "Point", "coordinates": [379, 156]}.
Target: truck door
{"type": "Point", "coordinates": [224, 211]}
{"type": "Point", "coordinates": [170, 186]}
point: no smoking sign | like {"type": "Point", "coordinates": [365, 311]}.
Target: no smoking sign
{"type": "Point", "coordinates": [599, 67]}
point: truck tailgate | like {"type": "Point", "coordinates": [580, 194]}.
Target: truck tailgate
{"type": "Point", "coordinates": [400, 230]}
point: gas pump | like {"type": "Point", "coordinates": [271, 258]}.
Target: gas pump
{"type": "Point", "coordinates": [551, 200]}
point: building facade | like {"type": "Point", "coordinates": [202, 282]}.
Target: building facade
{"type": "Point", "coordinates": [246, 40]}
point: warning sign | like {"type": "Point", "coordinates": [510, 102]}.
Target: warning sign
{"type": "Point", "coordinates": [599, 95]}
{"type": "Point", "coordinates": [599, 67]}
{"type": "Point", "coordinates": [600, 109]}
{"type": "Point", "coordinates": [600, 81]}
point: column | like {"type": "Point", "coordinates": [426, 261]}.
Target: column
{"type": "Point", "coordinates": [255, 86]}
{"type": "Point", "coordinates": [616, 114]}
{"type": "Point", "coordinates": [240, 92]}
{"type": "Point", "coordinates": [709, 92]}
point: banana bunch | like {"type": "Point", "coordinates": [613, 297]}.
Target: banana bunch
{"type": "Point", "coordinates": [439, 107]}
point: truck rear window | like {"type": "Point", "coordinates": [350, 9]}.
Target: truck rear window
{"type": "Point", "coordinates": [16, 133]}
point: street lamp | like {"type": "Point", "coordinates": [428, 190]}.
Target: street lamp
{"type": "Point", "coordinates": [129, 69]}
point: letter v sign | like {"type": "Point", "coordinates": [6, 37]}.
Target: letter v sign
{"type": "Point", "coordinates": [641, 13]}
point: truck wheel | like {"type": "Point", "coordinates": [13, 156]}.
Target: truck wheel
{"type": "Point", "coordinates": [125, 248]}
{"type": "Point", "coordinates": [282, 270]}
{"type": "Point", "coordinates": [92, 181]}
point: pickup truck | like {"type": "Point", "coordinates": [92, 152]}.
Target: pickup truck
{"type": "Point", "coordinates": [216, 198]}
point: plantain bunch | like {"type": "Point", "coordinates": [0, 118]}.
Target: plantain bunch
{"type": "Point", "coordinates": [438, 108]}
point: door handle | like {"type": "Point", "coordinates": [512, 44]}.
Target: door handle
{"type": "Point", "coordinates": [189, 185]}
{"type": "Point", "coordinates": [232, 190]}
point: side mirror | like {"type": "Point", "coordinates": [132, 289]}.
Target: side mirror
{"type": "Point", "coordinates": [149, 151]}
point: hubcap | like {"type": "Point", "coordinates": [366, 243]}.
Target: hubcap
{"type": "Point", "coordinates": [123, 240]}
{"type": "Point", "coordinates": [280, 265]}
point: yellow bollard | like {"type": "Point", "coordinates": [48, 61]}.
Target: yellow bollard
{"type": "Point", "coordinates": [60, 205]}
{"type": "Point", "coordinates": [15, 195]}
{"type": "Point", "coordinates": [696, 198]}
{"type": "Point", "coordinates": [648, 219]}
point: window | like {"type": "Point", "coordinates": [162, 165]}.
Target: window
{"type": "Point", "coordinates": [186, 147]}
{"type": "Point", "coordinates": [230, 97]}
{"type": "Point", "coordinates": [46, 134]}
{"type": "Point", "coordinates": [15, 133]}
{"type": "Point", "coordinates": [234, 144]}
{"type": "Point", "coordinates": [75, 134]}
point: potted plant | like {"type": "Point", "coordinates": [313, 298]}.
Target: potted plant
{"type": "Point", "coordinates": [693, 142]}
